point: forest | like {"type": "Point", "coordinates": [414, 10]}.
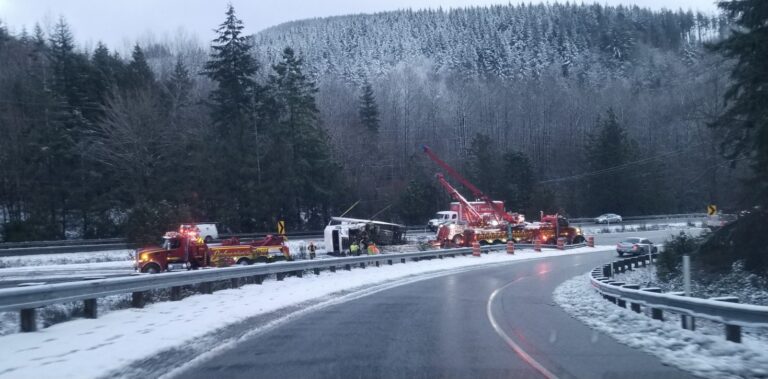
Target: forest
{"type": "Point", "coordinates": [577, 109]}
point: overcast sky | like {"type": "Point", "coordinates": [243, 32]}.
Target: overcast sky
{"type": "Point", "coordinates": [119, 23]}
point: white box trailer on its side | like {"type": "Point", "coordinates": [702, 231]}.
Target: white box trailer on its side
{"type": "Point", "coordinates": [341, 231]}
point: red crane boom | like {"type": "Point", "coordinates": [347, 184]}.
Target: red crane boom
{"type": "Point", "coordinates": [498, 208]}
{"type": "Point", "coordinates": [474, 217]}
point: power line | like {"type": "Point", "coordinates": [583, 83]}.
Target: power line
{"type": "Point", "coordinates": [621, 166]}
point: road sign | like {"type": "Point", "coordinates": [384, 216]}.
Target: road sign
{"type": "Point", "coordinates": [711, 209]}
{"type": "Point", "coordinates": [281, 227]}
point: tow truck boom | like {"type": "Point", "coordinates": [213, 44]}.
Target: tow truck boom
{"type": "Point", "coordinates": [498, 208]}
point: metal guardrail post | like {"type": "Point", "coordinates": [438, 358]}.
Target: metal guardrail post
{"type": "Point", "coordinates": [258, 279]}
{"type": "Point", "coordinates": [28, 320]}
{"type": "Point", "coordinates": [333, 268]}
{"type": "Point", "coordinates": [635, 307]}
{"type": "Point", "coordinates": [138, 299]}
{"type": "Point", "coordinates": [656, 313]}
{"type": "Point", "coordinates": [402, 260]}
{"type": "Point", "coordinates": [175, 293]}
{"type": "Point", "coordinates": [619, 301]}
{"type": "Point", "coordinates": [389, 262]}
{"type": "Point", "coordinates": [732, 332]}
{"type": "Point", "coordinates": [317, 271]}
{"type": "Point", "coordinates": [90, 308]}
{"type": "Point", "coordinates": [206, 288]}
{"type": "Point", "coordinates": [686, 322]}
{"type": "Point", "coordinates": [607, 273]}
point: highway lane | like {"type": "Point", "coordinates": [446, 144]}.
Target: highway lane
{"type": "Point", "coordinates": [444, 327]}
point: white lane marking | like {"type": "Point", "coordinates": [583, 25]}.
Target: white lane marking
{"type": "Point", "coordinates": [514, 346]}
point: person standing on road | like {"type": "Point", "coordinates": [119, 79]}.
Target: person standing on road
{"type": "Point", "coordinates": [312, 249]}
{"type": "Point", "coordinates": [354, 248]}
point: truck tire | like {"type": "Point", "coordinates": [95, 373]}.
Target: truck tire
{"type": "Point", "coordinates": [151, 268]}
{"type": "Point", "coordinates": [208, 239]}
{"type": "Point", "coordinates": [577, 239]}
{"type": "Point", "coordinates": [244, 262]}
{"type": "Point", "coordinates": [262, 260]}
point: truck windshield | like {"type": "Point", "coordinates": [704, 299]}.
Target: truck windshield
{"type": "Point", "coordinates": [170, 243]}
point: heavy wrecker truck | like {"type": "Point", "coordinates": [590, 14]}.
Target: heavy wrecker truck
{"type": "Point", "coordinates": [492, 223]}
{"type": "Point", "coordinates": [185, 250]}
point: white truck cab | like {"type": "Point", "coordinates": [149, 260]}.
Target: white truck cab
{"type": "Point", "coordinates": [443, 217]}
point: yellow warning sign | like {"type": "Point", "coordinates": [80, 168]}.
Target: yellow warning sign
{"type": "Point", "coordinates": [711, 209]}
{"type": "Point", "coordinates": [281, 227]}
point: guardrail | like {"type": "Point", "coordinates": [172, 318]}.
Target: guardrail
{"type": "Point", "coordinates": [640, 218]}
{"type": "Point", "coordinates": [27, 299]}
{"type": "Point", "coordinates": [725, 310]}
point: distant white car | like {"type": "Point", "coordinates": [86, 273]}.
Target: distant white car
{"type": "Point", "coordinates": [607, 218]}
{"type": "Point", "coordinates": [208, 230]}
{"type": "Point", "coordinates": [443, 217]}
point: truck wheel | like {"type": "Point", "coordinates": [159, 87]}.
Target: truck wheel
{"type": "Point", "coordinates": [244, 261]}
{"type": "Point", "coordinates": [578, 239]}
{"type": "Point", "coordinates": [208, 239]}
{"type": "Point", "coordinates": [457, 240]}
{"type": "Point", "coordinates": [151, 268]}
{"type": "Point", "coordinates": [262, 260]}
{"type": "Point", "coordinates": [551, 241]}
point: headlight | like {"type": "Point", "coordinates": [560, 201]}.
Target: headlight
{"type": "Point", "coordinates": [144, 257]}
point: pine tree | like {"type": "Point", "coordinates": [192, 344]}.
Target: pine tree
{"type": "Point", "coordinates": [300, 148]}
{"type": "Point", "coordinates": [138, 73]}
{"type": "Point", "coordinates": [745, 120]}
{"type": "Point", "coordinates": [517, 182]}
{"type": "Point", "coordinates": [609, 189]}
{"type": "Point", "coordinates": [369, 111]}
{"type": "Point", "coordinates": [232, 67]}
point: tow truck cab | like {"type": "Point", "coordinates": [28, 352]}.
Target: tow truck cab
{"type": "Point", "coordinates": [177, 251]}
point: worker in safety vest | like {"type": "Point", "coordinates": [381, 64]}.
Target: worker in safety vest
{"type": "Point", "coordinates": [354, 248]}
{"type": "Point", "coordinates": [372, 249]}
{"type": "Point", "coordinates": [312, 249]}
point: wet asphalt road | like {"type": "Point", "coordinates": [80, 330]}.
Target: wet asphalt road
{"type": "Point", "coordinates": [441, 327]}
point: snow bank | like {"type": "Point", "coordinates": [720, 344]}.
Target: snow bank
{"type": "Point", "coordinates": [121, 337]}
{"type": "Point", "coordinates": [66, 258]}
{"type": "Point", "coordinates": [709, 356]}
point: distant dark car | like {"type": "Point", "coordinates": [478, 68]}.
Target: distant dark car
{"type": "Point", "coordinates": [607, 218]}
{"type": "Point", "coordinates": [635, 246]}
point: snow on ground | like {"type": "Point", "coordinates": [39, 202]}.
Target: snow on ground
{"type": "Point", "coordinates": [748, 287]}
{"type": "Point", "coordinates": [620, 228]}
{"type": "Point", "coordinates": [120, 337]}
{"type": "Point", "coordinates": [709, 356]}
{"type": "Point", "coordinates": [66, 258]}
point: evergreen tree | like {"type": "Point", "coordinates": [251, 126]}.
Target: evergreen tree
{"type": "Point", "coordinates": [745, 120]}
{"type": "Point", "coordinates": [138, 73]}
{"type": "Point", "coordinates": [369, 111]}
{"type": "Point", "coordinates": [484, 170]}
{"type": "Point", "coordinates": [232, 102]}
{"type": "Point", "coordinates": [517, 182]}
{"type": "Point", "coordinates": [232, 67]}
{"type": "Point", "coordinates": [418, 202]}
{"type": "Point", "coordinates": [299, 147]}
{"type": "Point", "coordinates": [609, 189]}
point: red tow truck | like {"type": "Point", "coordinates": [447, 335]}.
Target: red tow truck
{"type": "Point", "coordinates": [185, 250]}
{"type": "Point", "coordinates": [492, 223]}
